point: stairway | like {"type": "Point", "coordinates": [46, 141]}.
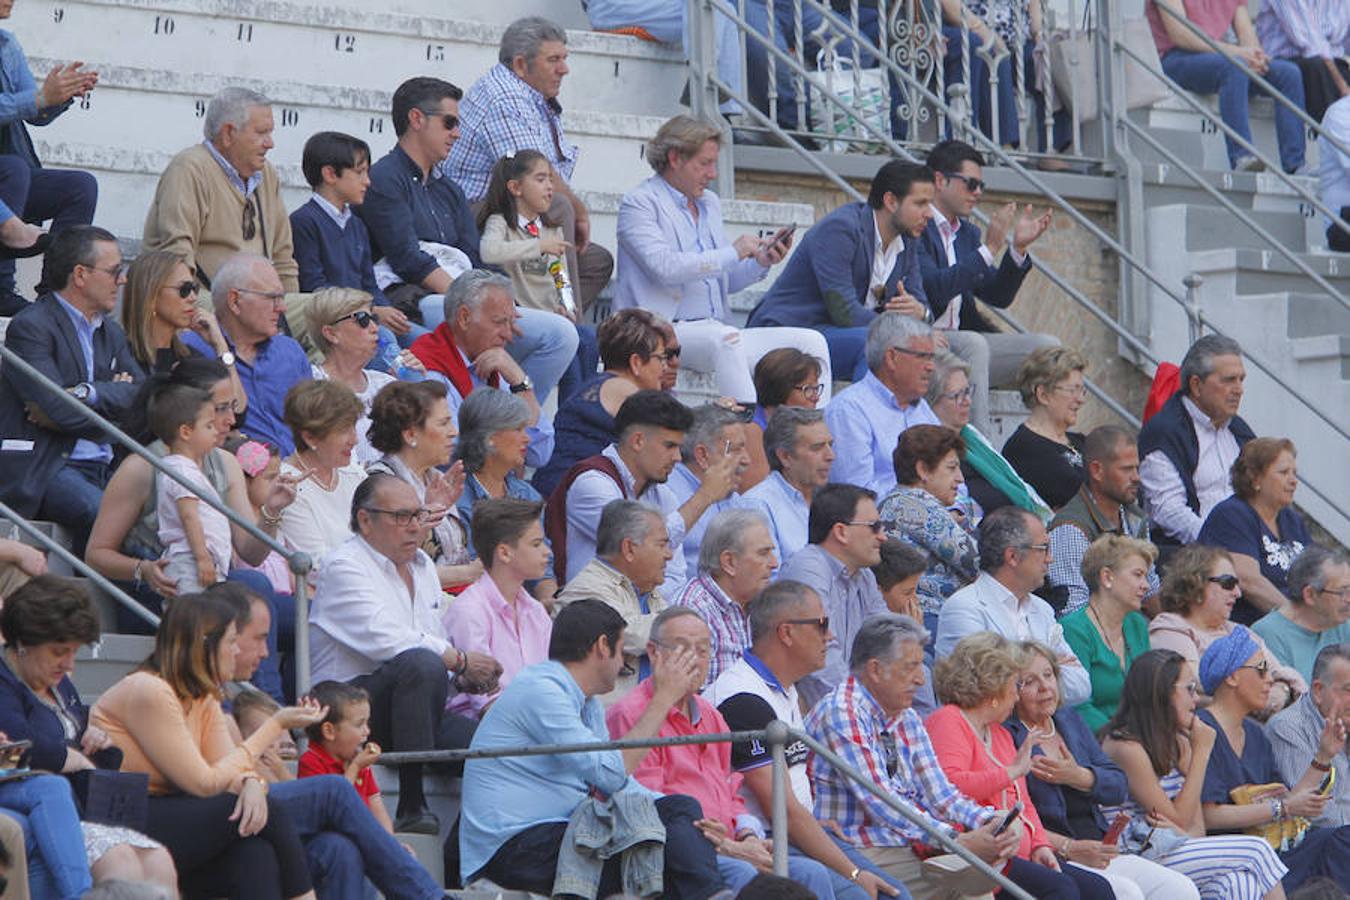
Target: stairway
{"type": "Point", "coordinates": [1253, 292]}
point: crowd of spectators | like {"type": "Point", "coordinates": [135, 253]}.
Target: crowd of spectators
{"type": "Point", "coordinates": [987, 633]}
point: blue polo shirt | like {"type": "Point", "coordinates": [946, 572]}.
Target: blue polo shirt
{"type": "Point", "coordinates": [281, 364]}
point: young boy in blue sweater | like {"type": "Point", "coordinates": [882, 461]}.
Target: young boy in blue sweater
{"type": "Point", "coordinates": [332, 246]}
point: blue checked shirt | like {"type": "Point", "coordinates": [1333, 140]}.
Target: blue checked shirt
{"type": "Point", "coordinates": [897, 754]}
{"type": "Point", "coordinates": [499, 115]}
{"type": "Point", "coordinates": [726, 619]}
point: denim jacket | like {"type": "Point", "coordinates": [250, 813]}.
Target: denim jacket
{"type": "Point", "coordinates": [626, 823]}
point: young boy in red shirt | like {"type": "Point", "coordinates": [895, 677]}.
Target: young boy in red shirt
{"type": "Point", "coordinates": [338, 745]}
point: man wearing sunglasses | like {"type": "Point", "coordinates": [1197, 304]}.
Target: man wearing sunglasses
{"type": "Point", "coordinates": [846, 533]}
{"type": "Point", "coordinates": [222, 196]}
{"type": "Point", "coordinates": [958, 267]}
{"type": "Point", "coordinates": [790, 633]}
{"type": "Point", "coordinates": [376, 623]}
{"type": "Point", "coordinates": [57, 462]}
{"type": "Point", "coordinates": [1014, 558]}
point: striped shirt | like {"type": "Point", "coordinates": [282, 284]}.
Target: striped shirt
{"type": "Point", "coordinates": [894, 752]}
{"type": "Point", "coordinates": [726, 619]}
{"type": "Point", "coordinates": [1304, 29]}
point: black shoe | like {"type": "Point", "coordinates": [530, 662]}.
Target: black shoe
{"type": "Point", "coordinates": [37, 248]}
{"type": "Point", "coordinates": [423, 821]}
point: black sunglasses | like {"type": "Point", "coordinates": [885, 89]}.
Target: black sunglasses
{"type": "Point", "coordinates": [972, 184]}
{"type": "Point", "coordinates": [449, 120]}
{"type": "Point", "coordinates": [187, 289]}
{"type": "Point", "coordinates": [1227, 582]}
{"type": "Point", "coordinates": [821, 622]}
{"type": "Point", "coordinates": [361, 317]}
{"type": "Point", "coordinates": [877, 525]}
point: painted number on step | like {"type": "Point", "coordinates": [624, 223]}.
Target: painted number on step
{"type": "Point", "coordinates": [344, 43]}
{"type": "Point", "coordinates": [245, 33]}
{"type": "Point", "coordinates": [290, 118]}
{"type": "Point", "coordinates": [1207, 126]}
{"type": "Point", "coordinates": [85, 101]}
{"type": "Point", "coordinates": [199, 108]}
{"type": "Point", "coordinates": [164, 25]}
{"type": "Point", "coordinates": [435, 52]}
{"type": "Point", "coordinates": [58, 15]}
{"type": "Point", "coordinates": [376, 125]}
{"type": "Point", "coordinates": [1305, 210]}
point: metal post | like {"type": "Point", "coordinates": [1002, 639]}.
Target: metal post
{"type": "Point", "coordinates": [1193, 311]}
{"type": "Point", "coordinates": [703, 95]}
{"type": "Point", "coordinates": [776, 733]}
{"type": "Point", "coordinates": [300, 565]}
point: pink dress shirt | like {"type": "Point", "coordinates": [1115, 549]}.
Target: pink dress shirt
{"type": "Point", "coordinates": [516, 635]}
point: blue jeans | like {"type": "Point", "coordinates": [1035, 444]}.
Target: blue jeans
{"type": "Point", "coordinates": [954, 72]}
{"type": "Point", "coordinates": [66, 198]}
{"type": "Point", "coordinates": [546, 347]}
{"type": "Point", "coordinates": [848, 890]}
{"type": "Point", "coordinates": [328, 804]}
{"type": "Point", "coordinates": [73, 496]}
{"type": "Point", "coordinates": [737, 873]}
{"type": "Point", "coordinates": [45, 809]}
{"type": "Point", "coordinates": [583, 365]}
{"type": "Point", "coordinates": [1214, 73]}
{"type": "Point", "coordinates": [757, 57]}
{"type": "Point", "coordinates": [848, 350]}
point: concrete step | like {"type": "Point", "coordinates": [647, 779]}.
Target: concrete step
{"type": "Point", "coordinates": [137, 109]}
{"type": "Point", "coordinates": [1265, 271]}
{"type": "Point", "coordinates": [1329, 348]}
{"type": "Point", "coordinates": [127, 180]}
{"type": "Point", "coordinates": [1176, 125]}
{"type": "Point", "coordinates": [1214, 228]}
{"type": "Point", "coordinates": [100, 666]}
{"type": "Point", "coordinates": [272, 40]}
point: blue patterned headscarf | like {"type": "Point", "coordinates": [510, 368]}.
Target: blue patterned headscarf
{"type": "Point", "coordinates": [1225, 656]}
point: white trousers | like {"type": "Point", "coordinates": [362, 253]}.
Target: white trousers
{"type": "Point", "coordinates": [1135, 878]}
{"type": "Point", "coordinates": [731, 353]}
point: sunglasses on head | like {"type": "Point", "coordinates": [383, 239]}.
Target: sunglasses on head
{"type": "Point", "coordinates": [361, 317]}
{"type": "Point", "coordinates": [187, 288]}
{"type": "Point", "coordinates": [1227, 582]}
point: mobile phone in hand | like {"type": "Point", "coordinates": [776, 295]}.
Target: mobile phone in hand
{"type": "Point", "coordinates": [1010, 818]}
{"type": "Point", "coordinates": [1117, 828]}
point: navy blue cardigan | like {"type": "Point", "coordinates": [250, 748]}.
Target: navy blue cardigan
{"type": "Point", "coordinates": [23, 717]}
{"type": "Point", "coordinates": [1065, 810]}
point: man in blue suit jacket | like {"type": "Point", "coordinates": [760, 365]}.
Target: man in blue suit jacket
{"type": "Point", "coordinates": [959, 267]}
{"type": "Point", "coordinates": [55, 461]}
{"type": "Point", "coordinates": [859, 260]}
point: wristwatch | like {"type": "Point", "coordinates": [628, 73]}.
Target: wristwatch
{"type": "Point", "coordinates": [525, 385]}
{"type": "Point", "coordinates": [227, 357]}
{"type": "Point", "coordinates": [80, 391]}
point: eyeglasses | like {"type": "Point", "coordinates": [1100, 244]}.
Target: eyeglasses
{"type": "Point", "coordinates": [811, 392]}
{"type": "Point", "coordinates": [115, 272]}
{"type": "Point", "coordinates": [876, 525]}
{"type": "Point", "coordinates": [1043, 548]}
{"type": "Point", "coordinates": [1192, 688]}
{"type": "Point", "coordinates": [361, 317]}
{"type": "Point", "coordinates": [923, 355]}
{"type": "Point", "coordinates": [1339, 595]}
{"type": "Point", "coordinates": [671, 354]}
{"type": "Point", "coordinates": [401, 517]}
{"type": "Point", "coordinates": [822, 622]}
{"type": "Point", "coordinates": [1079, 390]}
{"type": "Point", "coordinates": [1227, 582]}
{"type": "Point", "coordinates": [1262, 669]}
{"type": "Point", "coordinates": [231, 406]}
{"type": "Point", "coordinates": [249, 226]}
{"type": "Point", "coordinates": [186, 289]}
{"type": "Point", "coordinates": [449, 121]}
{"type": "Point", "coordinates": [702, 651]}
{"type": "Point", "coordinates": [277, 298]}
{"type": "Point", "coordinates": [961, 396]}
{"type": "Point", "coordinates": [972, 184]}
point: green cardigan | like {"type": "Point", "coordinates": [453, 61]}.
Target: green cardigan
{"type": "Point", "coordinates": [1103, 666]}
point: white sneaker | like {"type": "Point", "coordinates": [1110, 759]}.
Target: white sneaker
{"type": "Point", "coordinates": [1249, 163]}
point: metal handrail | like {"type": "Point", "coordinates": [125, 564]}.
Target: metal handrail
{"type": "Point", "coordinates": [299, 562]}
{"type": "Point", "coordinates": [78, 565]}
{"type": "Point", "coordinates": [776, 735]}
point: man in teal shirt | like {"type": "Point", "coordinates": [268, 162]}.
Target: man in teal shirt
{"type": "Point", "coordinates": [1318, 612]}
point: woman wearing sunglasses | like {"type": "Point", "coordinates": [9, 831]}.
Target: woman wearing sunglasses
{"type": "Point", "coordinates": [1235, 671]}
{"type": "Point", "coordinates": [1197, 598]}
{"type": "Point", "coordinates": [159, 303]}
{"type": "Point", "coordinates": [1165, 751]}
{"type": "Point", "coordinates": [344, 329]}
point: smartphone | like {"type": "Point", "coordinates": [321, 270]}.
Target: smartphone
{"type": "Point", "coordinates": [784, 235]}
{"type": "Point", "coordinates": [1327, 781]}
{"type": "Point", "coordinates": [1010, 818]}
{"type": "Point", "coordinates": [13, 749]}
{"type": "Point", "coordinates": [1117, 828]}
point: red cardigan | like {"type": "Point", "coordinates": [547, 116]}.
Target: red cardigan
{"type": "Point", "coordinates": [963, 757]}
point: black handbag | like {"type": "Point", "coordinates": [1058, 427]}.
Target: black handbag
{"type": "Point", "coordinates": [112, 798]}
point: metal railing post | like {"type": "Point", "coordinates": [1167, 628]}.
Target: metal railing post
{"type": "Point", "coordinates": [301, 564]}
{"type": "Point", "coordinates": [777, 734]}
{"type": "Point", "coordinates": [703, 94]}
{"type": "Point", "coordinates": [1194, 315]}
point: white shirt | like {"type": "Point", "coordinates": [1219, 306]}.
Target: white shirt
{"type": "Point", "coordinates": [1335, 167]}
{"type": "Point", "coordinates": [362, 615]}
{"type": "Point", "coordinates": [318, 520]}
{"type": "Point", "coordinates": [1164, 493]}
{"type": "Point", "coordinates": [883, 258]}
{"type": "Point", "coordinates": [340, 216]}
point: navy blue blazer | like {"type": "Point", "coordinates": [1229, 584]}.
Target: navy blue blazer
{"type": "Point", "coordinates": [971, 277]}
{"type": "Point", "coordinates": [825, 280]}
{"type": "Point", "coordinates": [45, 337]}
{"type": "Point", "coordinates": [1075, 816]}
{"type": "Point", "coordinates": [23, 717]}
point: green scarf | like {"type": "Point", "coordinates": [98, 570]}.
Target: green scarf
{"type": "Point", "coordinates": [999, 472]}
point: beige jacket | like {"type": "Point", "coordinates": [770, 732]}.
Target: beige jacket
{"type": "Point", "coordinates": [601, 581]}
{"type": "Point", "coordinates": [198, 214]}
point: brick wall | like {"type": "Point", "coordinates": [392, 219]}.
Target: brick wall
{"type": "Point", "coordinates": [1068, 248]}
